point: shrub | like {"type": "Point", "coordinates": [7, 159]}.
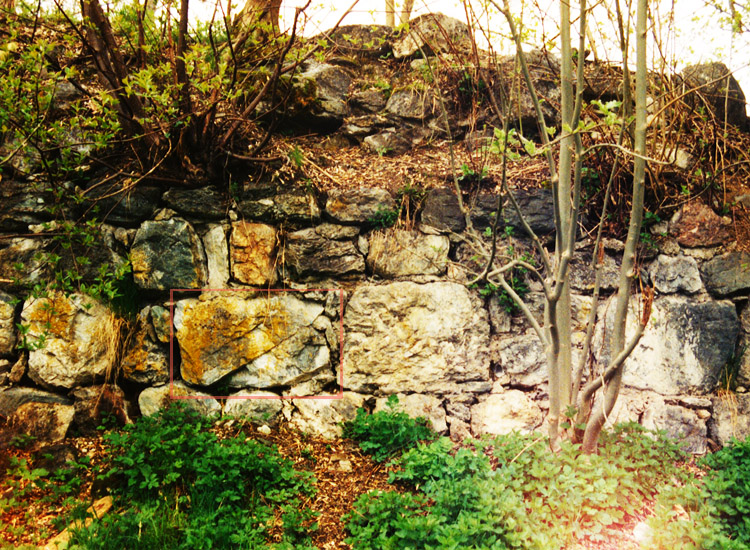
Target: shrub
{"type": "Point", "coordinates": [386, 432]}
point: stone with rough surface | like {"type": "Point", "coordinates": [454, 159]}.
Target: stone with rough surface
{"type": "Point", "coordinates": [731, 418]}
{"type": "Point", "coordinates": [675, 274]}
{"type": "Point", "coordinates": [520, 361]}
{"type": "Point", "coordinates": [45, 422]}
{"type": "Point", "coordinates": [221, 333]}
{"type": "Point", "coordinates": [400, 253]}
{"type": "Point", "coordinates": [217, 256]}
{"type": "Point", "coordinates": [151, 400]}
{"type": "Point", "coordinates": [167, 254]}
{"type": "Point", "coordinates": [329, 85]}
{"type": "Point", "coordinates": [502, 413]}
{"type": "Point", "coordinates": [352, 206]}
{"type": "Point", "coordinates": [253, 253]}
{"type": "Point", "coordinates": [583, 276]}
{"type": "Point", "coordinates": [309, 254]}
{"type": "Point", "coordinates": [727, 274]}
{"type": "Point", "coordinates": [411, 104]}
{"type": "Point", "coordinates": [23, 253]}
{"type": "Point", "coordinates": [204, 203]}
{"type": "Point", "coordinates": [432, 33]}
{"type": "Point", "coordinates": [403, 336]}
{"type": "Point", "coordinates": [415, 405]}
{"type": "Point", "coordinates": [260, 407]}
{"type": "Point", "coordinates": [92, 403]}
{"type": "Point", "coordinates": [683, 349]}
{"type": "Point", "coordinates": [718, 90]}
{"type": "Point", "coordinates": [12, 398]}
{"type": "Point", "coordinates": [7, 325]}
{"type": "Point", "coordinates": [696, 225]}
{"type": "Point", "coordinates": [81, 340]}
{"type": "Point", "coordinates": [323, 417]}
{"type": "Point", "coordinates": [440, 210]}
{"type": "Point", "coordinates": [146, 359]}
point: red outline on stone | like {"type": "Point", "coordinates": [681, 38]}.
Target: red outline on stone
{"type": "Point", "coordinates": [339, 395]}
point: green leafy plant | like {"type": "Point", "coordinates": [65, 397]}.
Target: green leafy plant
{"type": "Point", "coordinates": [386, 432]}
{"type": "Point", "coordinates": [384, 217]}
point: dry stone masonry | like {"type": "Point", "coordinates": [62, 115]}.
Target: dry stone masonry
{"type": "Point", "coordinates": [286, 294]}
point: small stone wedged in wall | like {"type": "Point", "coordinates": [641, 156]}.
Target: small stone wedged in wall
{"type": "Point", "coordinates": [204, 203]}
{"type": "Point", "coordinates": [146, 357]}
{"type": "Point", "coordinates": [502, 413]}
{"type": "Point", "coordinates": [299, 208]}
{"type": "Point", "coordinates": [266, 410]}
{"type": "Point", "coordinates": [23, 252]}
{"type": "Point", "coordinates": [24, 204]}
{"type": "Point", "coordinates": [92, 403]}
{"type": "Point", "coordinates": [216, 248]}
{"type": "Point", "coordinates": [253, 253]}
{"type": "Point", "coordinates": [7, 325]}
{"type": "Point", "coordinates": [125, 205]}
{"type": "Point", "coordinates": [82, 336]}
{"type": "Point", "coordinates": [358, 206]}
{"type": "Point", "coordinates": [153, 399]}
{"type": "Point", "coordinates": [583, 276]}
{"type": "Point", "coordinates": [323, 417]}
{"type": "Point", "coordinates": [675, 274]}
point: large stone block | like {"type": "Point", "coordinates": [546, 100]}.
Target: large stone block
{"type": "Point", "coordinates": [727, 274]}
{"type": "Point", "coordinates": [151, 400]}
{"type": "Point", "coordinates": [731, 418]}
{"type": "Point", "coordinates": [683, 349]}
{"type": "Point", "coordinates": [400, 253]}
{"type": "Point", "coordinates": [502, 413]}
{"type": "Point", "coordinates": [419, 338]}
{"type": "Point", "coordinates": [358, 205]}
{"type": "Point", "coordinates": [221, 333]}
{"type": "Point", "coordinates": [310, 254]}
{"type": "Point", "coordinates": [81, 339]}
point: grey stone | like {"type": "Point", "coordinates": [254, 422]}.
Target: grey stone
{"type": "Point", "coordinates": [683, 349]}
{"type": "Point", "coordinates": [500, 319]}
{"type": "Point", "coordinates": [440, 210]}
{"type": "Point", "coordinates": [297, 208]}
{"type": "Point", "coordinates": [203, 203]}
{"type": "Point", "coordinates": [45, 422]}
{"type": "Point", "coordinates": [162, 322]}
{"type": "Point", "coordinates": [323, 417]}
{"type": "Point", "coordinates": [416, 405]}
{"type": "Point", "coordinates": [369, 41]}
{"type": "Point", "coordinates": [536, 207]}
{"type": "Point", "coordinates": [7, 325]}
{"type": "Point", "coordinates": [298, 358]}
{"type": "Point", "coordinates": [583, 276]}
{"type": "Point", "coordinates": [422, 338]}
{"type": "Point", "coordinates": [151, 400]}
{"type": "Point", "coordinates": [309, 254]}
{"type": "Point", "coordinates": [330, 85]}
{"type": "Point", "coordinates": [260, 407]}
{"type": "Point", "coordinates": [12, 398]}
{"type": "Point", "coordinates": [359, 127]}
{"type": "Point", "coordinates": [400, 253]}
{"type": "Point", "coordinates": [722, 97]}
{"type": "Point", "coordinates": [411, 104]}
{"type": "Point", "coordinates": [124, 204]}
{"type": "Point", "coordinates": [675, 274]}
{"type": "Point", "coordinates": [358, 206]}
{"type": "Point", "coordinates": [433, 33]}
{"type": "Point", "coordinates": [731, 418]}
{"type": "Point", "coordinates": [684, 425]}
{"type": "Point", "coordinates": [221, 333]}
{"type": "Point", "coordinates": [502, 413]}
{"type": "Point", "coordinates": [391, 141]}
{"type": "Point", "coordinates": [520, 361]}
{"type": "Point", "coordinates": [183, 265]}
{"type": "Point", "coordinates": [146, 359]}
{"type": "Point", "coordinates": [368, 101]}
{"type": "Point", "coordinates": [22, 205]}
{"type": "Point", "coordinates": [81, 340]}
{"type": "Point", "coordinates": [217, 256]}
{"type": "Point", "coordinates": [336, 232]}
{"type": "Point", "coordinates": [727, 274]}
{"type": "Point", "coordinates": [26, 254]}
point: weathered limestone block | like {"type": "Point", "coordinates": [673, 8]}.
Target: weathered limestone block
{"type": "Point", "coordinates": [358, 205]}
{"type": "Point", "coordinates": [167, 254]}
{"type": "Point", "coordinates": [260, 407]}
{"type": "Point", "coordinates": [81, 340]}
{"type": "Point", "coordinates": [300, 357]}
{"type": "Point", "coordinates": [46, 422]}
{"type": "Point", "coordinates": [323, 417]}
{"type": "Point", "coordinates": [676, 274]}
{"type": "Point", "coordinates": [400, 253]}
{"type": "Point", "coordinates": [731, 418]}
{"type": "Point", "coordinates": [683, 348]}
{"type": "Point", "coordinates": [217, 256]}
{"type": "Point", "coordinates": [411, 103]}
{"type": "Point", "coordinates": [502, 413]}
{"type": "Point", "coordinates": [330, 85]}
{"type": "Point", "coordinates": [23, 254]}
{"type": "Point", "coordinates": [698, 225]}
{"type": "Point", "coordinates": [152, 399]}
{"type": "Point", "coordinates": [520, 361]}
{"type": "Point", "coordinates": [308, 254]}
{"type": "Point", "coordinates": [583, 276]}
{"type": "Point", "coordinates": [253, 253]}
{"type": "Point", "coordinates": [419, 338]}
{"type": "Point", "coordinates": [7, 325]}
{"type": "Point", "coordinates": [727, 274]}
{"type": "Point", "coordinates": [220, 333]}
{"type": "Point", "coordinates": [294, 207]}
{"type": "Point", "coordinates": [415, 404]}
{"type": "Point", "coordinates": [146, 359]}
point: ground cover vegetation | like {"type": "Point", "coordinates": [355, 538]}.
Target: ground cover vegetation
{"type": "Point", "coordinates": [179, 480]}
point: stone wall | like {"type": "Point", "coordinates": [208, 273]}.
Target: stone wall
{"type": "Point", "coordinates": [410, 325]}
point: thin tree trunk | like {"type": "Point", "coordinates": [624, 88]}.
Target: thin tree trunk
{"type": "Point", "coordinates": [406, 11]}
{"type": "Point", "coordinates": [390, 13]}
